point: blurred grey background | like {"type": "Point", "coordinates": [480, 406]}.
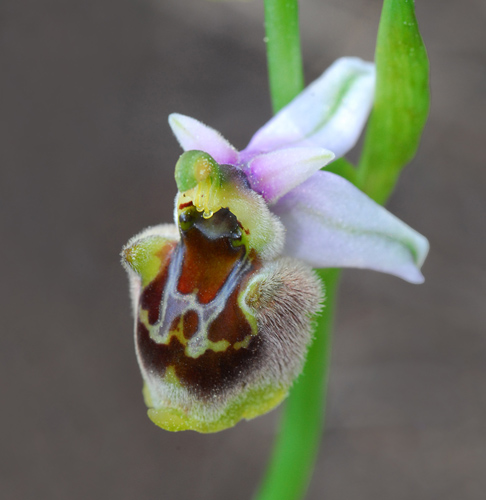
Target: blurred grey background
{"type": "Point", "coordinates": [87, 161]}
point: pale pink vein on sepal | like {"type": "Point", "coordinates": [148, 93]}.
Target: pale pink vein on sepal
{"type": "Point", "coordinates": [330, 113]}
{"type": "Point", "coordinates": [331, 223]}
{"type": "Point", "coordinates": [274, 174]}
{"type": "Point", "coordinates": [193, 134]}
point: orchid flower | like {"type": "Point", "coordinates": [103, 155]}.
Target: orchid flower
{"type": "Point", "coordinates": [223, 302]}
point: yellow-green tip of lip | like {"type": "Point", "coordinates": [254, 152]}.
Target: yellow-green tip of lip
{"type": "Point", "coordinates": [145, 256]}
{"type": "Point", "coordinates": [255, 403]}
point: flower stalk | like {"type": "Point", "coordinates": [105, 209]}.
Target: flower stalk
{"type": "Point", "coordinates": [295, 451]}
{"type": "Point", "coordinates": [285, 72]}
{"type": "Point", "coordinates": [292, 462]}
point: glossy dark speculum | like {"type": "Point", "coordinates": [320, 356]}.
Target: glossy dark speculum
{"type": "Point", "coordinates": [195, 323]}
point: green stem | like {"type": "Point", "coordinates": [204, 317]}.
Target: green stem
{"type": "Point", "coordinates": [295, 451]}
{"type": "Point", "coordinates": [284, 57]}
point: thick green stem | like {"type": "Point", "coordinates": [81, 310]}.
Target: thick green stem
{"type": "Point", "coordinates": [284, 57]}
{"type": "Point", "coordinates": [295, 451]}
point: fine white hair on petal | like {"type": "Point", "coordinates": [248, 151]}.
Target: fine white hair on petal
{"type": "Point", "coordinates": [330, 113]}
{"type": "Point", "coordinates": [269, 233]}
{"type": "Point", "coordinates": [289, 294]}
{"type": "Point", "coordinates": [193, 134]}
{"type": "Point", "coordinates": [331, 223]}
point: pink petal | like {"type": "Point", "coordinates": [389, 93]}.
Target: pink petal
{"type": "Point", "coordinates": [274, 174]}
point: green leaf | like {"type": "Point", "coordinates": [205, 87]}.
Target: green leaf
{"type": "Point", "coordinates": [401, 100]}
